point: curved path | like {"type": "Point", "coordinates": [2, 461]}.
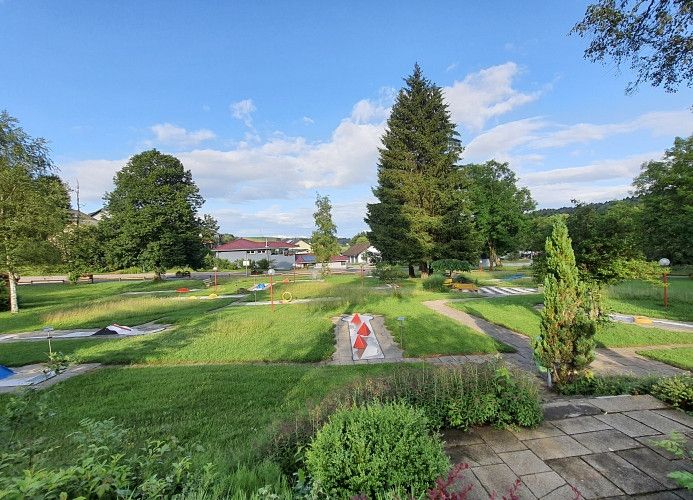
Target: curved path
{"type": "Point", "coordinates": [611, 361]}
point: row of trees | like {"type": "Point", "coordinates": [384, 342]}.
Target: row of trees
{"type": "Point", "coordinates": [152, 218]}
{"type": "Point", "coordinates": [428, 206]}
{"type": "Point", "coordinates": [431, 207]}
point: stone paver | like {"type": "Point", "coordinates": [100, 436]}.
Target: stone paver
{"type": "Point", "coordinates": [623, 474]}
{"type": "Point", "coordinates": [628, 426]}
{"type": "Point", "coordinates": [457, 437]}
{"type": "Point", "coordinates": [609, 440]}
{"type": "Point", "coordinates": [613, 404]}
{"type": "Point", "coordinates": [543, 483]}
{"type": "Point", "coordinates": [654, 464]}
{"type": "Point", "coordinates": [556, 447]}
{"type": "Point", "coordinates": [473, 455]}
{"type": "Point", "coordinates": [545, 429]}
{"type": "Point", "coordinates": [499, 479]}
{"type": "Point", "coordinates": [658, 422]}
{"type": "Point", "coordinates": [651, 442]}
{"type": "Point", "coordinates": [580, 424]}
{"type": "Point", "coordinates": [581, 475]}
{"type": "Point", "coordinates": [562, 493]}
{"type": "Point", "coordinates": [569, 409]}
{"type": "Point", "coordinates": [500, 440]}
{"type": "Point", "coordinates": [677, 416]}
{"type": "Point", "coordinates": [524, 462]}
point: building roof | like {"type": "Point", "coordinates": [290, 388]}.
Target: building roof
{"type": "Point", "coordinates": [241, 244]}
{"type": "Point", "coordinates": [339, 258]}
{"type": "Point", "coordinates": [357, 249]}
{"type": "Point", "coordinates": [305, 258]}
{"type": "Point", "coordinates": [81, 217]}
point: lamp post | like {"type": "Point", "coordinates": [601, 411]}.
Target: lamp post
{"type": "Point", "coordinates": [664, 262]}
{"type": "Point", "coordinates": [215, 269]}
{"type": "Point", "coordinates": [48, 331]}
{"type": "Point", "coordinates": [270, 271]}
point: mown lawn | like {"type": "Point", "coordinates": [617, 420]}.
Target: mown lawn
{"type": "Point", "coordinates": [645, 299]}
{"type": "Point", "coordinates": [519, 314]}
{"type": "Point", "coordinates": [681, 357]}
{"type": "Point", "coordinates": [230, 410]}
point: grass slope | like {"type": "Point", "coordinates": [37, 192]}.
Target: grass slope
{"type": "Point", "coordinates": [518, 314]}
{"type": "Point", "coordinates": [681, 357]}
{"type": "Point", "coordinates": [645, 299]}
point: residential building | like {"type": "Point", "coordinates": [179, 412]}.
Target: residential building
{"type": "Point", "coordinates": [303, 245]}
{"type": "Point", "coordinates": [280, 254]}
{"type": "Point", "coordinates": [309, 260]}
{"type": "Point", "coordinates": [362, 253]}
{"type": "Point", "coordinates": [77, 217]}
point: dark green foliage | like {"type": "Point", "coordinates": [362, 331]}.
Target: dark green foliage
{"type": "Point", "coordinates": [421, 214]}
{"type": "Point", "coordinates": [676, 391]}
{"type": "Point", "coordinates": [665, 188]}
{"type": "Point", "coordinates": [324, 238]}
{"type": "Point", "coordinates": [471, 394]}
{"type": "Point", "coordinates": [211, 262]}
{"type": "Point", "coordinates": [434, 283]}
{"type": "Point", "coordinates": [152, 219]}
{"type": "Point", "coordinates": [366, 450]}
{"type": "Point", "coordinates": [389, 273]}
{"type": "Point", "coordinates": [568, 323]}
{"type": "Point", "coordinates": [448, 266]}
{"type": "Point", "coordinates": [499, 207]}
{"type": "Point", "coordinates": [84, 250]}
{"type": "Point", "coordinates": [106, 464]}
{"type": "Point", "coordinates": [655, 36]}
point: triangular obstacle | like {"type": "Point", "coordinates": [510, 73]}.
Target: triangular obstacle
{"type": "Point", "coordinates": [363, 330]}
{"type": "Point", "coordinates": [356, 319]}
{"type": "Point", "coordinates": [5, 372]}
{"type": "Point", "coordinates": [360, 343]}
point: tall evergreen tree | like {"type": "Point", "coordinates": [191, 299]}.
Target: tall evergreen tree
{"type": "Point", "coordinates": [566, 344]}
{"type": "Point", "coordinates": [420, 215]}
{"type": "Point", "coordinates": [153, 220]}
{"type": "Point", "coordinates": [324, 238]}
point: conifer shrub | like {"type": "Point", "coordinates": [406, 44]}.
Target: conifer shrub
{"type": "Point", "coordinates": [434, 283]}
{"type": "Point", "coordinates": [568, 320]}
{"type": "Point", "coordinates": [366, 450]}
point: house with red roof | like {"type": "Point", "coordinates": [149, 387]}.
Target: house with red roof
{"type": "Point", "coordinates": [281, 254]}
{"type": "Point", "coordinates": [308, 260]}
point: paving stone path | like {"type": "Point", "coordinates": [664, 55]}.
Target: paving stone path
{"type": "Point", "coordinates": [612, 361]}
{"type": "Point", "coordinates": [504, 291]}
{"type": "Point", "coordinates": [603, 447]}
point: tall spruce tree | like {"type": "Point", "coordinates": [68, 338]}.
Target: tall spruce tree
{"type": "Point", "coordinates": [420, 215]}
{"type": "Point", "coordinates": [568, 324]}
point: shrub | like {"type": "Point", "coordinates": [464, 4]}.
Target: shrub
{"type": "Point", "coordinates": [366, 450]}
{"type": "Point", "coordinates": [211, 262]}
{"type": "Point", "coordinates": [676, 391]}
{"type": "Point", "coordinates": [460, 396]}
{"type": "Point", "coordinates": [389, 273]}
{"type": "Point", "coordinates": [434, 283]}
{"type": "Point", "coordinates": [450, 265]}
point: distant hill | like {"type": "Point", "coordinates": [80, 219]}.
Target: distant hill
{"type": "Point", "coordinates": [545, 212]}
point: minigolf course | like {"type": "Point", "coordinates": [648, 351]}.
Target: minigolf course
{"type": "Point", "coordinates": [364, 343]}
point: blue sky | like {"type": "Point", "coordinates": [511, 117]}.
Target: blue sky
{"type": "Point", "coordinates": [269, 102]}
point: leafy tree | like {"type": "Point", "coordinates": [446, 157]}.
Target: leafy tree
{"type": "Point", "coordinates": [499, 207]}
{"type": "Point", "coordinates": [665, 188]}
{"type": "Point", "coordinates": [568, 323]}
{"type": "Point", "coordinates": [656, 36]}
{"type": "Point", "coordinates": [604, 239]}
{"type": "Point", "coordinates": [209, 230]}
{"type": "Point", "coordinates": [153, 219]}
{"type": "Point", "coordinates": [324, 238]}
{"type": "Point", "coordinates": [33, 203]}
{"type": "Point", "coordinates": [84, 250]}
{"type": "Point", "coordinates": [420, 215]}
{"type": "Point", "coordinates": [445, 266]}
{"type": "Point", "coordinates": [361, 237]}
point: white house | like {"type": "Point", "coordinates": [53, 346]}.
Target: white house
{"type": "Point", "coordinates": [279, 253]}
{"type": "Point", "coordinates": [361, 253]}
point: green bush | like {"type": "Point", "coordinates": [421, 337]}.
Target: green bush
{"type": "Point", "coordinates": [434, 283]}
{"type": "Point", "coordinates": [676, 391]}
{"type": "Point", "coordinates": [376, 448]}
{"type": "Point", "coordinates": [4, 295]}
{"type": "Point", "coordinates": [459, 397]}
{"type": "Point", "coordinates": [210, 262]}
{"type": "Point", "coordinates": [389, 273]}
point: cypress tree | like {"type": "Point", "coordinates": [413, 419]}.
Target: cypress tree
{"type": "Point", "coordinates": [566, 344]}
{"type": "Point", "coordinates": [420, 216]}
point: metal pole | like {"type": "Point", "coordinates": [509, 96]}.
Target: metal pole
{"type": "Point", "coordinates": [271, 293]}
{"type": "Point", "coordinates": [666, 290]}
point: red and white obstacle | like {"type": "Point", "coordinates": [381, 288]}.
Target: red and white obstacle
{"type": "Point", "coordinates": [364, 343]}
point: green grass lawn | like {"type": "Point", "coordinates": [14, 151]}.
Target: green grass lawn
{"type": "Point", "coordinates": [681, 357]}
{"type": "Point", "coordinates": [644, 299]}
{"type": "Point", "coordinates": [518, 313]}
{"type": "Point", "coordinates": [230, 410]}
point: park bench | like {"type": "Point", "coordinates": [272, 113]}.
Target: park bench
{"type": "Point", "coordinates": [207, 282]}
{"type": "Point", "coordinates": [86, 278]}
{"type": "Point", "coordinates": [470, 287]}
{"type": "Point", "coordinates": [182, 274]}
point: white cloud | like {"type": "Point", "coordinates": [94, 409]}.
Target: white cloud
{"type": "Point", "coordinates": [308, 120]}
{"type": "Point", "coordinates": [451, 67]}
{"type": "Point", "coordinates": [243, 111]}
{"type": "Point", "coordinates": [500, 140]}
{"type": "Point", "coordinates": [171, 135]}
{"type": "Point", "coordinates": [484, 95]}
